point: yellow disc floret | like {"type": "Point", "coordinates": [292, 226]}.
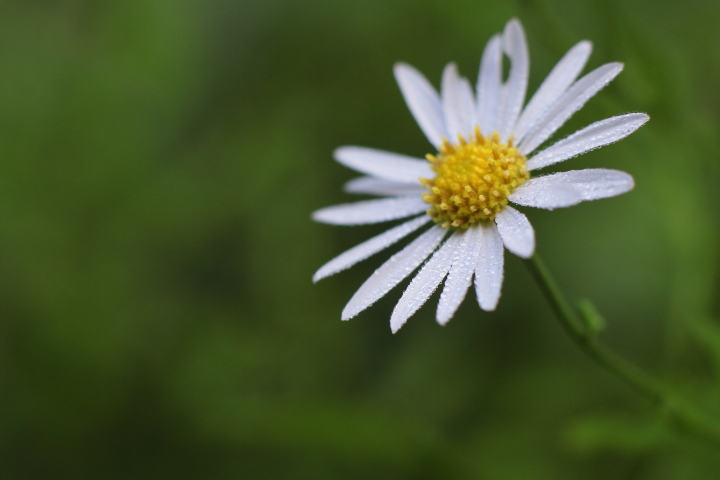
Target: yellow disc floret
{"type": "Point", "coordinates": [474, 179]}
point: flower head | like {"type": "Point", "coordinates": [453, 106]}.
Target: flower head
{"type": "Point", "coordinates": [484, 142]}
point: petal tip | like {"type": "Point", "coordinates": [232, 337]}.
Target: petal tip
{"type": "Point", "coordinates": [402, 68]}
{"type": "Point", "coordinates": [525, 255]}
{"type": "Point", "coordinates": [351, 310]}
{"type": "Point", "coordinates": [398, 319]}
{"type": "Point", "coordinates": [339, 151]}
{"type": "Point", "coordinates": [631, 182]}
{"type": "Point", "coordinates": [514, 23]}
{"type": "Point", "coordinates": [321, 216]}
{"type": "Point", "coordinates": [488, 307]}
{"type": "Point", "coordinates": [394, 328]}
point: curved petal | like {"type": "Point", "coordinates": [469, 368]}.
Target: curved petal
{"type": "Point", "coordinates": [489, 267]}
{"type": "Point", "coordinates": [546, 192]}
{"type": "Point", "coordinates": [382, 187]}
{"type": "Point", "coordinates": [489, 88]}
{"type": "Point", "coordinates": [589, 138]}
{"type": "Point", "coordinates": [370, 211]}
{"type": "Point", "coordinates": [560, 78]}
{"type": "Point", "coordinates": [424, 283]}
{"type": "Point", "coordinates": [595, 183]}
{"type": "Point", "coordinates": [570, 102]}
{"type": "Point", "coordinates": [515, 46]}
{"type": "Point", "coordinates": [569, 188]}
{"type": "Point", "coordinates": [517, 234]}
{"type": "Point", "coordinates": [460, 276]}
{"type": "Point", "coordinates": [423, 102]}
{"type": "Point", "coordinates": [393, 271]}
{"type": "Point", "coordinates": [458, 103]}
{"type": "Point", "coordinates": [382, 164]}
{"type": "Point", "coordinates": [368, 248]}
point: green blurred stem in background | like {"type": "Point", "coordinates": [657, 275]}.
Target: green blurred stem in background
{"type": "Point", "coordinates": [583, 326]}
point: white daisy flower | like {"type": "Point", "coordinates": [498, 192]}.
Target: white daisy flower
{"type": "Point", "coordinates": [484, 141]}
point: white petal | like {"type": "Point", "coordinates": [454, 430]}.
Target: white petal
{"type": "Point", "coordinates": [489, 86]}
{"type": "Point", "coordinates": [458, 103]}
{"type": "Point", "coordinates": [564, 74]}
{"type": "Point", "coordinates": [570, 102]}
{"type": "Point", "coordinates": [380, 186]}
{"type": "Point", "coordinates": [423, 102]}
{"type": "Point", "coordinates": [424, 283]}
{"type": "Point", "coordinates": [371, 211]}
{"type": "Point", "coordinates": [460, 276]}
{"type": "Point", "coordinates": [369, 248]}
{"type": "Point", "coordinates": [516, 232]}
{"type": "Point", "coordinates": [570, 188]}
{"type": "Point", "coordinates": [489, 268]}
{"type": "Point", "coordinates": [589, 138]}
{"type": "Point", "coordinates": [546, 192]}
{"type": "Point", "coordinates": [393, 271]}
{"type": "Point", "coordinates": [515, 46]}
{"type": "Point", "coordinates": [593, 183]}
{"type": "Point", "coordinates": [381, 164]}
{"type": "Point", "coordinates": [597, 183]}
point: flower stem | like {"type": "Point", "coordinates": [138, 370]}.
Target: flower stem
{"type": "Point", "coordinates": [679, 413]}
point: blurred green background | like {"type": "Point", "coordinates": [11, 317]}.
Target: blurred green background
{"type": "Point", "coordinates": [159, 161]}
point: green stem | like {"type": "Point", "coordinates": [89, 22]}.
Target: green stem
{"type": "Point", "coordinates": [679, 412]}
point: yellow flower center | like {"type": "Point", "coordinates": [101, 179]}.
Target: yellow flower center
{"type": "Point", "coordinates": [474, 179]}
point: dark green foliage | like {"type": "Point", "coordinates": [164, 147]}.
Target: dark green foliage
{"type": "Point", "coordinates": [159, 161]}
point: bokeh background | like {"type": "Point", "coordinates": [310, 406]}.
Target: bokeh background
{"type": "Point", "coordinates": [159, 161]}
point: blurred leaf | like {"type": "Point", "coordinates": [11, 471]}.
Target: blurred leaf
{"type": "Point", "coordinates": [615, 433]}
{"type": "Point", "coordinates": [594, 321]}
{"type": "Point", "coordinates": [707, 333]}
